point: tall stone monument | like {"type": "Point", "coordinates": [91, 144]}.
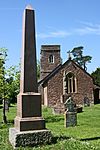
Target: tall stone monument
{"type": "Point", "coordinates": [29, 128]}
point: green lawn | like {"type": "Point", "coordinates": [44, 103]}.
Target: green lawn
{"type": "Point", "coordinates": [85, 136]}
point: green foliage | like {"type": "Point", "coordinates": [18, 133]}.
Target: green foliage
{"type": "Point", "coordinates": [49, 117]}
{"type": "Point", "coordinates": [9, 79]}
{"type": "Point", "coordinates": [1, 79]}
{"type": "Point", "coordinates": [77, 53]}
{"type": "Point", "coordinates": [3, 55]}
{"type": "Point", "coordinates": [96, 76]}
{"type": "Point", "coordinates": [12, 83]}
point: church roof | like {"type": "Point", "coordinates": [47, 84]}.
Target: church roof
{"type": "Point", "coordinates": [59, 67]}
{"type": "Point", "coordinates": [49, 75]}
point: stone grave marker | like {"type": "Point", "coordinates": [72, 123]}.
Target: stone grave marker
{"type": "Point", "coordinates": [86, 101]}
{"type": "Point", "coordinates": [29, 127]}
{"type": "Point", "coordinates": [70, 113]}
{"type": "Point", "coordinates": [6, 105]}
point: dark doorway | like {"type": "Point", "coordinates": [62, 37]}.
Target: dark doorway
{"type": "Point", "coordinates": [96, 96]}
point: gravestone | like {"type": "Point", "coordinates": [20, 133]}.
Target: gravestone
{"type": "Point", "coordinates": [29, 127]}
{"type": "Point", "coordinates": [70, 113]}
{"type": "Point", "coordinates": [6, 105]}
{"type": "Point", "coordinates": [86, 101]}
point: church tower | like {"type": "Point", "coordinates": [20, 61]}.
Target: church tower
{"type": "Point", "coordinates": [50, 59]}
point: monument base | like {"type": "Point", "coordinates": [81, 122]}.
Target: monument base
{"type": "Point", "coordinates": [30, 123]}
{"type": "Point", "coordinates": [29, 138]}
{"type": "Point", "coordinates": [70, 119]}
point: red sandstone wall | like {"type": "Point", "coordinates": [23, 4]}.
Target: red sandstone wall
{"type": "Point", "coordinates": [84, 85]}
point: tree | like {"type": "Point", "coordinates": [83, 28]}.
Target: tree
{"type": "Point", "coordinates": [9, 82]}
{"type": "Point", "coordinates": [3, 57]}
{"type": "Point", "coordinates": [96, 76]}
{"type": "Point", "coordinates": [12, 83]}
{"type": "Point", "coordinates": [3, 54]}
{"type": "Point", "coordinates": [77, 53]}
{"type": "Point", "coordinates": [1, 80]}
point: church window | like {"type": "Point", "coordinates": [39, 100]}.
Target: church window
{"type": "Point", "coordinates": [71, 83]}
{"type": "Point", "coordinates": [51, 59]}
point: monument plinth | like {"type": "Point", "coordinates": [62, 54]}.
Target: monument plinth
{"type": "Point", "coordinates": [29, 128]}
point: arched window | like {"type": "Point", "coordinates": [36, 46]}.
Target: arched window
{"type": "Point", "coordinates": [70, 83]}
{"type": "Point", "coordinates": [51, 59]}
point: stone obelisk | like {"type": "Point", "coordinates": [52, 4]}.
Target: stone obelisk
{"type": "Point", "coordinates": [29, 125]}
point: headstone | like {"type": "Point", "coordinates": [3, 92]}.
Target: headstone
{"type": "Point", "coordinates": [29, 128]}
{"type": "Point", "coordinates": [70, 105]}
{"type": "Point", "coordinates": [6, 105]}
{"type": "Point", "coordinates": [70, 113]}
{"type": "Point", "coordinates": [86, 101]}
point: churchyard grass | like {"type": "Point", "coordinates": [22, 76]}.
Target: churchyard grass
{"type": "Point", "coordinates": [85, 136]}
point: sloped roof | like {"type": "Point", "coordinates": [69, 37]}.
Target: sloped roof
{"type": "Point", "coordinates": [59, 67]}
{"type": "Point", "coordinates": [50, 74]}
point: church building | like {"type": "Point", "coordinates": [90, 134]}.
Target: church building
{"type": "Point", "coordinates": [59, 81]}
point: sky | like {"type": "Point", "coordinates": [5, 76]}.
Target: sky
{"type": "Point", "coordinates": [69, 23]}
